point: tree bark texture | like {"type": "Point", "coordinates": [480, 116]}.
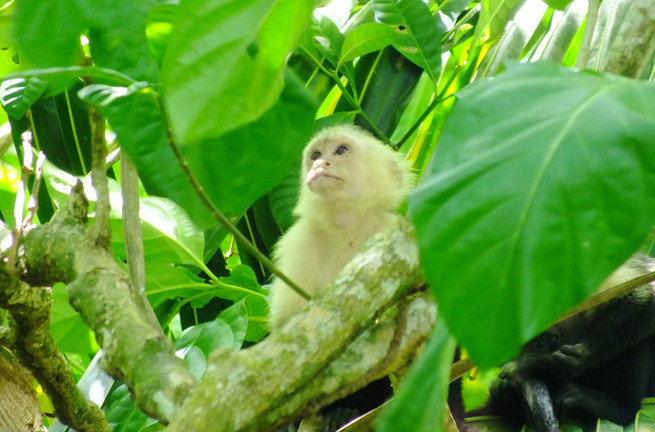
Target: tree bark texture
{"type": "Point", "coordinates": [328, 347]}
{"type": "Point", "coordinates": [19, 408]}
{"type": "Point", "coordinates": [66, 251]}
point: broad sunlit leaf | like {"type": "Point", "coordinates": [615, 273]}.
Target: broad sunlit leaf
{"type": "Point", "coordinates": [225, 61]}
{"type": "Point", "coordinates": [541, 185]}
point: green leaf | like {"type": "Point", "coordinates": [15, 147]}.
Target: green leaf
{"type": "Point", "coordinates": [608, 426]}
{"type": "Point", "coordinates": [9, 181]}
{"type": "Point", "coordinates": [284, 196]}
{"type": "Point", "coordinates": [121, 412]}
{"type": "Point", "coordinates": [103, 95]}
{"type": "Point", "coordinates": [48, 33]}
{"type": "Point", "coordinates": [236, 316]}
{"type": "Point", "coordinates": [366, 39]}
{"type": "Point", "coordinates": [117, 34]}
{"type": "Point", "coordinates": [541, 185]}
{"type": "Point", "coordinates": [75, 125]}
{"type": "Point", "coordinates": [558, 4]}
{"type": "Point", "coordinates": [257, 308]}
{"type": "Point", "coordinates": [642, 422]}
{"type": "Point", "coordinates": [137, 121]}
{"type": "Point", "coordinates": [67, 328]}
{"type": "Point", "coordinates": [195, 362]}
{"type": "Point", "coordinates": [495, 14]}
{"type": "Point", "coordinates": [158, 29]}
{"type": "Point", "coordinates": [329, 40]}
{"type": "Point", "coordinates": [165, 282]}
{"type": "Point", "coordinates": [419, 38]}
{"type": "Point", "coordinates": [225, 60]}
{"type": "Point", "coordinates": [103, 74]}
{"type": "Point", "coordinates": [223, 166]}
{"type": "Point", "coordinates": [419, 405]}
{"type": "Point", "coordinates": [169, 235]}
{"type": "Point", "coordinates": [18, 95]}
{"type": "Point", "coordinates": [207, 337]}
{"type": "Point", "coordinates": [244, 164]}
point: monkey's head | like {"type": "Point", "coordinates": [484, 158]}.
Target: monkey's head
{"type": "Point", "coordinates": [345, 166]}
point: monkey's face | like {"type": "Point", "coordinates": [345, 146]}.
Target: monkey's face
{"type": "Point", "coordinates": [334, 168]}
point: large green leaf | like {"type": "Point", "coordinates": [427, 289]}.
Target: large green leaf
{"type": "Point", "coordinates": [234, 169]}
{"type": "Point", "coordinates": [118, 37]}
{"type": "Point", "coordinates": [419, 38]}
{"type": "Point", "coordinates": [245, 163]}
{"type": "Point", "coordinates": [421, 399]}
{"type": "Point", "coordinates": [225, 60]}
{"type": "Point", "coordinates": [142, 133]}
{"type": "Point", "coordinates": [366, 39]}
{"type": "Point", "coordinates": [541, 185]}
{"type": "Point", "coordinates": [48, 33]}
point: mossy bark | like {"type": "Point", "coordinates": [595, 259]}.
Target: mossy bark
{"type": "Point", "coordinates": [332, 344]}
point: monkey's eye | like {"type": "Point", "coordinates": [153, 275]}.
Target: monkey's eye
{"type": "Point", "coordinates": [341, 150]}
{"type": "Point", "coordinates": [315, 155]}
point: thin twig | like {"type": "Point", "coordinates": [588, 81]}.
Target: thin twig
{"type": "Point", "coordinates": [99, 231]}
{"type": "Point", "coordinates": [608, 294]}
{"type": "Point", "coordinates": [349, 98]}
{"type": "Point", "coordinates": [418, 122]}
{"type": "Point", "coordinates": [33, 203]}
{"type": "Point", "coordinates": [113, 157]}
{"type": "Point", "coordinates": [218, 215]}
{"type": "Point", "coordinates": [26, 171]}
{"type": "Point", "coordinates": [134, 239]}
{"type": "Point", "coordinates": [19, 205]}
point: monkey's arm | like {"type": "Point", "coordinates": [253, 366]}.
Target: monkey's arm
{"type": "Point", "coordinates": [610, 329]}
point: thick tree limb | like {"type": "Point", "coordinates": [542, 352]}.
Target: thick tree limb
{"type": "Point", "coordinates": [29, 308]}
{"type": "Point", "coordinates": [251, 389]}
{"type": "Point", "coordinates": [19, 407]}
{"type": "Point", "coordinates": [62, 251]}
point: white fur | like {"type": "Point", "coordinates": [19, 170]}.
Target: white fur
{"type": "Point", "coordinates": [344, 200]}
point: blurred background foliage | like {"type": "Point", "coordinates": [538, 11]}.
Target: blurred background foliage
{"type": "Point", "coordinates": [536, 178]}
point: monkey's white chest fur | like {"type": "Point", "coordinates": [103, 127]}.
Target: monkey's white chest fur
{"type": "Point", "coordinates": [312, 255]}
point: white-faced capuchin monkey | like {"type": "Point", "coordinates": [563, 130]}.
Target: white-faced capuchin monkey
{"type": "Point", "coordinates": [351, 185]}
{"type": "Point", "coordinates": [597, 364]}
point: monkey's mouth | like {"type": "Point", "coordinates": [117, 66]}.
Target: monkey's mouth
{"type": "Point", "coordinates": [314, 175]}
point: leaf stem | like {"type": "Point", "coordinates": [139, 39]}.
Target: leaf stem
{"type": "Point", "coordinates": [437, 100]}
{"type": "Point", "coordinates": [349, 98]}
{"type": "Point", "coordinates": [217, 214]}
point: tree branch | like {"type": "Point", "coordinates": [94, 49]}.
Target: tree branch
{"type": "Point", "coordinates": [100, 231]}
{"type": "Point", "coordinates": [134, 238]}
{"type": "Point", "coordinates": [30, 319]}
{"type": "Point", "coordinates": [63, 251]}
{"type": "Point", "coordinates": [277, 378]}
